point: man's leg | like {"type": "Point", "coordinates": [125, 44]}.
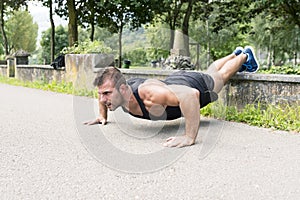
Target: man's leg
{"type": "Point", "coordinates": [223, 69]}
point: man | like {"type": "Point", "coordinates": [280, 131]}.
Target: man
{"type": "Point", "coordinates": [182, 93]}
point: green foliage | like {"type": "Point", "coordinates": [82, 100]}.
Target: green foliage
{"type": "Point", "coordinates": [110, 39]}
{"type": "Point", "coordinates": [158, 36]}
{"type": "Point", "coordinates": [21, 31]}
{"type": "Point", "coordinates": [156, 53]}
{"type": "Point", "coordinates": [86, 47]}
{"type": "Point", "coordinates": [146, 45]}
{"type": "Point", "coordinates": [53, 86]}
{"type": "Point", "coordinates": [285, 69]}
{"type": "Point", "coordinates": [281, 8]}
{"type": "Point", "coordinates": [61, 41]}
{"type": "Point", "coordinates": [6, 7]}
{"type": "Point", "coordinates": [142, 56]}
{"type": "Point", "coordinates": [281, 117]}
{"type": "Point", "coordinates": [271, 33]}
{"type": "Point", "coordinates": [137, 56]}
{"type": "Point", "coordinates": [132, 13]}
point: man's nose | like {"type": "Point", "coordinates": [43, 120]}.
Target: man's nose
{"type": "Point", "coordinates": [102, 98]}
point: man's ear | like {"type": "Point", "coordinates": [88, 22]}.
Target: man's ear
{"type": "Point", "coordinates": [123, 88]}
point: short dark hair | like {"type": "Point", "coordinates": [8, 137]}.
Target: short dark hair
{"type": "Point", "coordinates": [111, 73]}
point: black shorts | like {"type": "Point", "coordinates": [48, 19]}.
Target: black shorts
{"type": "Point", "coordinates": [204, 83]}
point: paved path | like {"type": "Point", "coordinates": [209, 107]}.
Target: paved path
{"type": "Point", "coordinates": [46, 153]}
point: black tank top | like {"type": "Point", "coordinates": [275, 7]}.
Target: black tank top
{"type": "Point", "coordinates": [171, 112]}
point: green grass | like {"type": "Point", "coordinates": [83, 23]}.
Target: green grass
{"type": "Point", "coordinates": [53, 86]}
{"type": "Point", "coordinates": [281, 117]}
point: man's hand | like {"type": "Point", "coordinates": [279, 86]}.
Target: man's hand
{"type": "Point", "coordinates": [96, 121]}
{"type": "Point", "coordinates": [179, 141]}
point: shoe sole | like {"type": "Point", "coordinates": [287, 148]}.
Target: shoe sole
{"type": "Point", "coordinates": [252, 50]}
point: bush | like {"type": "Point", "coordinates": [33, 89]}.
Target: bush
{"type": "Point", "coordinates": [86, 47]}
{"type": "Point", "coordinates": [285, 69]}
{"type": "Point", "coordinates": [137, 56]}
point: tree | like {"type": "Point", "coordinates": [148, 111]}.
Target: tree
{"type": "Point", "coordinates": [132, 13]}
{"type": "Point", "coordinates": [61, 41]}
{"type": "Point", "coordinates": [277, 19]}
{"type": "Point", "coordinates": [21, 31]}
{"type": "Point", "coordinates": [49, 4]}
{"type": "Point", "coordinates": [69, 9]}
{"type": "Point", "coordinates": [288, 9]}
{"type": "Point", "coordinates": [177, 14]}
{"type": "Point", "coordinates": [73, 26]}
{"type": "Point", "coordinates": [171, 16]}
{"type": "Point", "coordinates": [6, 6]}
{"type": "Point", "coordinates": [88, 16]}
{"type": "Point", "coordinates": [185, 24]}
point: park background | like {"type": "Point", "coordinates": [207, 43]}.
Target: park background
{"type": "Point", "coordinates": [143, 31]}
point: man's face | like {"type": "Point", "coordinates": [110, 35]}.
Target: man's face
{"type": "Point", "coordinates": [110, 96]}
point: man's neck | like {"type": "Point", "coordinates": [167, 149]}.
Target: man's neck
{"type": "Point", "coordinates": [128, 98]}
{"type": "Point", "coordinates": [131, 104]}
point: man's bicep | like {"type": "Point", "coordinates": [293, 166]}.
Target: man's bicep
{"type": "Point", "coordinates": [158, 94]}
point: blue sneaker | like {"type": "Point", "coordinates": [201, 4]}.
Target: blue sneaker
{"type": "Point", "coordinates": [251, 65]}
{"type": "Point", "coordinates": [238, 51]}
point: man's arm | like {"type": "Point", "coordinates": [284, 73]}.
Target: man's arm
{"type": "Point", "coordinates": [176, 95]}
{"type": "Point", "coordinates": [190, 107]}
{"type": "Point", "coordinates": [102, 119]}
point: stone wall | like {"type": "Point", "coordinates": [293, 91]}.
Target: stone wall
{"type": "Point", "coordinates": [39, 73]}
{"type": "Point", "coordinates": [242, 89]}
{"type": "Point", "coordinates": [265, 88]}
{"type": "Point", "coordinates": [3, 70]}
{"type": "Point", "coordinates": [246, 88]}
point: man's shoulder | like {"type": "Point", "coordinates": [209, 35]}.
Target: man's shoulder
{"type": "Point", "coordinates": [153, 81]}
{"type": "Point", "coordinates": [134, 83]}
{"type": "Point", "coordinates": [135, 80]}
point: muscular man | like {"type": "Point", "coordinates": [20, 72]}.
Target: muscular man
{"type": "Point", "coordinates": [181, 94]}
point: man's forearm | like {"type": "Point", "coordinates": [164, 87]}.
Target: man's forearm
{"type": "Point", "coordinates": [192, 121]}
{"type": "Point", "coordinates": [190, 108]}
{"type": "Point", "coordinates": [102, 110]}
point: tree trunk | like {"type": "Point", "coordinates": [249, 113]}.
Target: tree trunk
{"type": "Point", "coordinates": [270, 52]}
{"type": "Point", "coordinates": [208, 44]}
{"type": "Point", "coordinates": [273, 61]}
{"type": "Point", "coordinates": [5, 42]}
{"type": "Point", "coordinates": [120, 46]}
{"type": "Point", "coordinates": [92, 20]}
{"type": "Point", "coordinates": [72, 26]}
{"type": "Point", "coordinates": [52, 42]}
{"type": "Point", "coordinates": [185, 26]}
{"type": "Point", "coordinates": [172, 23]}
{"type": "Point", "coordinates": [296, 52]}
{"type": "Point", "coordinates": [172, 36]}
{"type": "Point", "coordinates": [92, 29]}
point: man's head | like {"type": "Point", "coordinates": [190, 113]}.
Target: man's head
{"type": "Point", "coordinates": [111, 87]}
{"type": "Point", "coordinates": [110, 73]}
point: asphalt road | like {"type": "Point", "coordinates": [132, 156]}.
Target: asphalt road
{"type": "Point", "coordinates": [47, 153]}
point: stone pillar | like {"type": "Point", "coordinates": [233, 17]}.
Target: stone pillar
{"type": "Point", "coordinates": [178, 46]}
{"type": "Point", "coordinates": [179, 58]}
{"type": "Point", "coordinates": [21, 57]}
{"type": "Point", "coordinates": [11, 67]}
{"type": "Point", "coordinates": [81, 68]}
